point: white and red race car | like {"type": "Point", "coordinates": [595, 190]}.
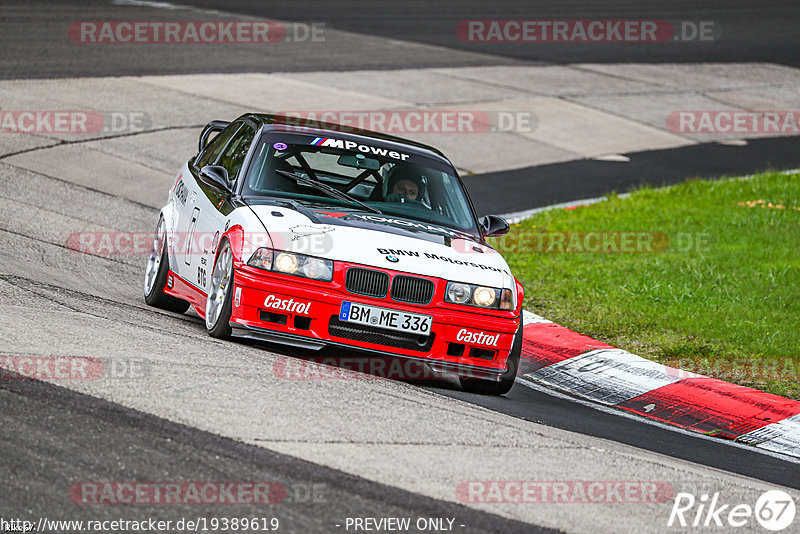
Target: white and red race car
{"type": "Point", "coordinates": [316, 237]}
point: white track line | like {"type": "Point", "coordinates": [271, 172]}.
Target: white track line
{"type": "Point", "coordinates": [517, 216]}
{"type": "Point", "coordinates": [146, 3]}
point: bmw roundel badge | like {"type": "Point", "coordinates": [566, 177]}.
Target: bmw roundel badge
{"type": "Point", "coordinates": [393, 259]}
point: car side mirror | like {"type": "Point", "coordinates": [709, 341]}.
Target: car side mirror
{"type": "Point", "coordinates": [494, 226]}
{"type": "Point", "coordinates": [216, 175]}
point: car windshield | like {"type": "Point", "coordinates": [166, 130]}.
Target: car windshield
{"type": "Point", "coordinates": [388, 180]}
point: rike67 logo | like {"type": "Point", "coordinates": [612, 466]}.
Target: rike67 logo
{"type": "Point", "coordinates": [774, 510]}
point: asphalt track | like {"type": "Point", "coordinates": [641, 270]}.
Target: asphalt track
{"type": "Point", "coordinates": [563, 412]}
{"type": "Point", "coordinates": [55, 436]}
{"type": "Point", "coordinates": [116, 438]}
{"type": "Point", "coordinates": [33, 47]}
{"type": "Point", "coordinates": [385, 34]}
{"type": "Point", "coordinates": [545, 185]}
{"type": "Point", "coordinates": [749, 32]}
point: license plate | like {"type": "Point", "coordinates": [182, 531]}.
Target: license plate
{"type": "Point", "coordinates": [352, 312]}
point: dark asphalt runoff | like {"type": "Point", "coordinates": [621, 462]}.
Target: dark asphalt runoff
{"type": "Point", "coordinates": [564, 413]}
{"type": "Point", "coordinates": [35, 43]}
{"type": "Point", "coordinates": [545, 185]}
{"type": "Point", "coordinates": [746, 31]}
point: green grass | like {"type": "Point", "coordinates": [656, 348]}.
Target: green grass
{"type": "Point", "coordinates": [727, 307]}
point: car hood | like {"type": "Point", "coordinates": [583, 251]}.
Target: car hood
{"type": "Point", "coordinates": [384, 241]}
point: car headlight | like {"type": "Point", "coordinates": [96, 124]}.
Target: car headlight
{"type": "Point", "coordinates": [290, 263]}
{"type": "Point", "coordinates": [286, 263]}
{"type": "Point", "coordinates": [484, 297]}
{"type": "Point", "coordinates": [458, 293]}
{"type": "Point", "coordinates": [479, 296]}
{"type": "Point", "coordinates": [261, 258]}
{"type": "Point", "coordinates": [317, 269]}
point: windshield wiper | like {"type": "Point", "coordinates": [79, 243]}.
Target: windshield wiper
{"type": "Point", "coordinates": [325, 188]}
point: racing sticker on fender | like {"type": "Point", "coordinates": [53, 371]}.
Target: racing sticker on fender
{"type": "Point", "coordinates": [181, 192]}
{"type": "Point", "coordinates": [352, 145]}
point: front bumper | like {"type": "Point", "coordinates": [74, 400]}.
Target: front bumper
{"type": "Point", "coordinates": [304, 313]}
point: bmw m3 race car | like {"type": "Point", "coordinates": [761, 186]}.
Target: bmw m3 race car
{"type": "Point", "coordinates": [316, 237]}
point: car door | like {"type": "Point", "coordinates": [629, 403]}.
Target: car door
{"type": "Point", "coordinates": [215, 206]}
{"type": "Point", "coordinates": [194, 207]}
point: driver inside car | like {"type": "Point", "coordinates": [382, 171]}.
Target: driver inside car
{"type": "Point", "coordinates": [405, 184]}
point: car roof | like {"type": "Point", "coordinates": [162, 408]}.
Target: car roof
{"type": "Point", "coordinates": [328, 129]}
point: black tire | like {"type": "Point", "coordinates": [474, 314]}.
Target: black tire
{"type": "Point", "coordinates": [490, 387]}
{"type": "Point", "coordinates": [221, 328]}
{"type": "Point", "coordinates": [154, 294]}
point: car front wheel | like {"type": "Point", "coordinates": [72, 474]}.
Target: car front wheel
{"type": "Point", "coordinates": [489, 387]}
{"type": "Point", "coordinates": [220, 294]}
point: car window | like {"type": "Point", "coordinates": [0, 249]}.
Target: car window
{"type": "Point", "coordinates": [325, 163]}
{"type": "Point", "coordinates": [233, 155]}
{"type": "Point", "coordinates": [414, 187]}
{"type": "Point", "coordinates": [216, 146]}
